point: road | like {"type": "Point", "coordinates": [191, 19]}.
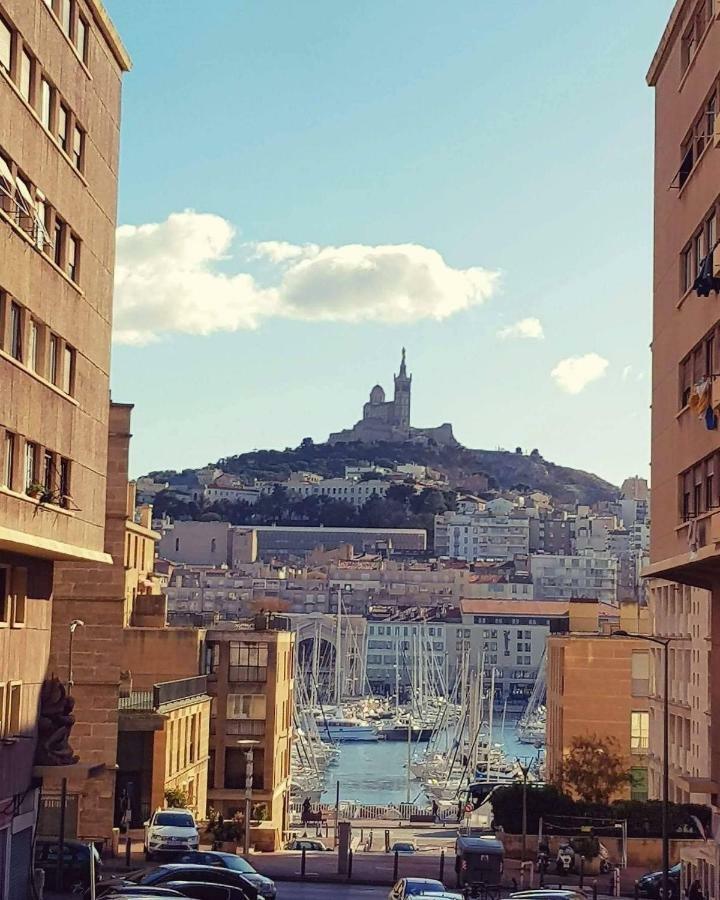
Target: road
{"type": "Point", "coordinates": [297, 891]}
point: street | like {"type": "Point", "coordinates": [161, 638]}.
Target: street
{"type": "Point", "coordinates": [300, 891]}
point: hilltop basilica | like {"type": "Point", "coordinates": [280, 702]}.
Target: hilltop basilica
{"type": "Point", "coordinates": [389, 420]}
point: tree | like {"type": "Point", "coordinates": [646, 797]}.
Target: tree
{"type": "Point", "coordinates": [176, 798]}
{"type": "Point", "coordinates": [594, 769]}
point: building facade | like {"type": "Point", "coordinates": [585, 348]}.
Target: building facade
{"type": "Point", "coordinates": [685, 77]}
{"type": "Point", "coordinates": [60, 81]}
{"type": "Point", "coordinates": [598, 685]}
{"type": "Point", "coordinates": [590, 575]}
{"type": "Point", "coordinates": [250, 678]}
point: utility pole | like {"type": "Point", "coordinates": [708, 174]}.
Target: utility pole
{"type": "Point", "coordinates": [524, 763]}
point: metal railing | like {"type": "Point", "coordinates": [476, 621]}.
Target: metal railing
{"type": "Point", "coordinates": [137, 700]}
{"type": "Point", "coordinates": [350, 810]}
{"type": "Point", "coordinates": [182, 689]}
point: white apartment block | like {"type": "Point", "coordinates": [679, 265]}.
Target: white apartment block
{"type": "Point", "coordinates": [564, 577]}
{"type": "Point", "coordinates": [482, 536]}
{"type": "Point", "coordinates": [357, 493]}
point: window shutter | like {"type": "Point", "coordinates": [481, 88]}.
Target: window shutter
{"type": "Point", "coordinates": [19, 577]}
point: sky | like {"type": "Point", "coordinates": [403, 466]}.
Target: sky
{"type": "Point", "coordinates": [307, 187]}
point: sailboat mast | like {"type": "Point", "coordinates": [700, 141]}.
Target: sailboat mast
{"type": "Point", "coordinates": [338, 652]}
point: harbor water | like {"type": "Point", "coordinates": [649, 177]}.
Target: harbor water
{"type": "Point", "coordinates": [375, 772]}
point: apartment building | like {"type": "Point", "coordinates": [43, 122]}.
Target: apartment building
{"type": "Point", "coordinates": [351, 490]}
{"type": "Point", "coordinates": [163, 745]}
{"type": "Point", "coordinates": [589, 575]}
{"type": "Point", "coordinates": [599, 685]}
{"type": "Point", "coordinates": [250, 678]}
{"type": "Point", "coordinates": [685, 77]}
{"type": "Point", "coordinates": [482, 535]}
{"type": "Point", "coordinates": [115, 616]}
{"type": "Point", "coordinates": [61, 67]}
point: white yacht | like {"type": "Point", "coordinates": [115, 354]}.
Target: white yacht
{"type": "Point", "coordinates": [342, 730]}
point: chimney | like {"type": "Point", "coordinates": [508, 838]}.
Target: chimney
{"type": "Point", "coordinates": [584, 615]}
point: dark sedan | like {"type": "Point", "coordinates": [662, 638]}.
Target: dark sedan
{"type": "Point", "coordinates": [169, 874]}
{"type": "Point", "coordinates": [266, 886]}
{"type": "Point", "coordinates": [650, 885]}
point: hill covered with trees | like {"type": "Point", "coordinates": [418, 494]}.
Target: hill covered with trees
{"type": "Point", "coordinates": [402, 506]}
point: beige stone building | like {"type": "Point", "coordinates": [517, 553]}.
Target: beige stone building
{"type": "Point", "coordinates": [598, 685]}
{"type": "Point", "coordinates": [126, 661]}
{"type": "Point", "coordinates": [250, 678]}
{"type": "Point", "coordinates": [61, 67]}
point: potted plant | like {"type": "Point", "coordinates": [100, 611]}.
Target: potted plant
{"type": "Point", "coordinates": [227, 833]}
{"type": "Point", "coordinates": [35, 489]}
{"type": "Point", "coordinates": [176, 798]}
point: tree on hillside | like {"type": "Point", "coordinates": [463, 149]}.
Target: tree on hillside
{"type": "Point", "coordinates": [594, 768]}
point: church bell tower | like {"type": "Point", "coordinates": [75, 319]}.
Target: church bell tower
{"type": "Point", "coordinates": [403, 382]}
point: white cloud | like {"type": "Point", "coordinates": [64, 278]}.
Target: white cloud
{"type": "Point", "coordinates": [168, 280]}
{"type": "Point", "coordinates": [525, 328]}
{"type": "Point", "coordinates": [626, 372]}
{"type": "Point", "coordinates": [575, 373]}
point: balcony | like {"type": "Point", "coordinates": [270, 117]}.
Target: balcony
{"type": "Point", "coordinates": [165, 693]}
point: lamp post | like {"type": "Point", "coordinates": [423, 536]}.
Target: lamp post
{"type": "Point", "coordinates": [248, 746]}
{"type": "Point", "coordinates": [524, 764]}
{"type": "Point", "coordinates": [76, 623]}
{"type": "Point", "coordinates": [665, 644]}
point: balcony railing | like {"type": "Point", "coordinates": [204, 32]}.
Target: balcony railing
{"type": "Point", "coordinates": [164, 693]}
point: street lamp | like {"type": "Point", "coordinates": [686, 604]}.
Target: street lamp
{"type": "Point", "coordinates": [76, 623]}
{"type": "Point", "coordinates": [664, 643]}
{"type": "Point", "coordinates": [248, 745]}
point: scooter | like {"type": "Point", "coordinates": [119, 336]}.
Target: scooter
{"type": "Point", "coordinates": [565, 862]}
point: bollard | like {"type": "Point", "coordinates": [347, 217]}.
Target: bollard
{"type": "Point", "coordinates": [635, 891]}
{"type": "Point", "coordinates": [594, 894]}
{"type": "Point", "coordinates": [387, 842]}
{"type": "Point", "coordinates": [615, 882]}
{"type": "Point", "coordinates": [128, 846]}
{"type": "Point", "coordinates": [302, 863]}
{"type": "Point", "coordinates": [395, 867]}
{"type": "Point", "coordinates": [350, 859]}
{"type": "Point", "coordinates": [582, 871]}
{"type": "Point", "coordinates": [442, 865]}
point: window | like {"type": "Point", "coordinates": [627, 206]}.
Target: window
{"type": "Point", "coordinates": [62, 126]}
{"type": "Point", "coordinates": [16, 331]}
{"type": "Point", "coordinates": [81, 41]}
{"type": "Point", "coordinates": [77, 147]}
{"type": "Point", "coordinates": [5, 45]}
{"type": "Point", "coordinates": [33, 345]}
{"type": "Point", "coordinates": [68, 372]}
{"type": "Point", "coordinates": [58, 240]}
{"type": "Point", "coordinates": [9, 459]}
{"type": "Point", "coordinates": [248, 661]}
{"type": "Point", "coordinates": [48, 470]}
{"type": "Point", "coordinates": [4, 606]}
{"type": "Point", "coordinates": [54, 358]}
{"type": "Point", "coordinates": [64, 481]}
{"type": "Point", "coordinates": [246, 706]}
{"type": "Point", "coordinates": [73, 251]}
{"type": "Point", "coordinates": [212, 658]}
{"type": "Point", "coordinates": [18, 589]}
{"type": "Point", "coordinates": [66, 15]}
{"type": "Point", "coordinates": [45, 98]}
{"type": "Point", "coordinates": [638, 784]}
{"type": "Point", "coordinates": [13, 706]}
{"type": "Point", "coordinates": [640, 665]}
{"type": "Point", "coordinates": [30, 465]}
{"type": "Point", "coordinates": [26, 65]}
{"type": "Point", "coordinates": [639, 731]}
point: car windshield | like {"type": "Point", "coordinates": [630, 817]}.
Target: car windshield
{"type": "Point", "coordinates": [423, 887]}
{"type": "Point", "coordinates": [238, 864]}
{"type": "Point", "coordinates": [179, 820]}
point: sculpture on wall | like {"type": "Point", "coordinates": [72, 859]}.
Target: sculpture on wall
{"type": "Point", "coordinates": [54, 725]}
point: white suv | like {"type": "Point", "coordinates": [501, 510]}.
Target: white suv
{"type": "Point", "coordinates": [170, 830]}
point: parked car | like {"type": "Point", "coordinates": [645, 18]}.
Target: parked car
{"type": "Point", "coordinates": [139, 890]}
{"type": "Point", "coordinates": [171, 874]}
{"type": "Point", "coordinates": [550, 894]}
{"type": "Point", "coordinates": [404, 847]}
{"type": "Point", "coordinates": [411, 887]}
{"type": "Point", "coordinates": [306, 844]}
{"type": "Point", "coordinates": [650, 885]}
{"type": "Point", "coordinates": [170, 830]}
{"type": "Point", "coordinates": [205, 890]}
{"type": "Point", "coordinates": [433, 895]}
{"type": "Point", "coordinates": [266, 886]}
{"type": "Point", "coordinates": [76, 863]}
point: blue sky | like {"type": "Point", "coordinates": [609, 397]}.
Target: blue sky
{"type": "Point", "coordinates": [310, 140]}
